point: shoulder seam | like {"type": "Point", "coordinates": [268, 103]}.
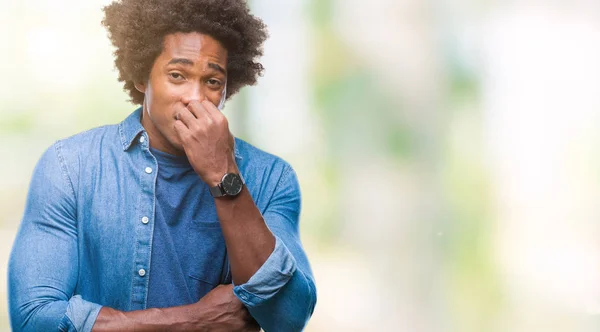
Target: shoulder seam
{"type": "Point", "coordinates": [284, 174]}
{"type": "Point", "coordinates": [63, 167]}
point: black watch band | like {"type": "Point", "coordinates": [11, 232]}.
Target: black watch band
{"type": "Point", "coordinates": [217, 191]}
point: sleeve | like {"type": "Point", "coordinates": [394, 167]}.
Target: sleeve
{"type": "Point", "coordinates": [281, 295]}
{"type": "Point", "coordinates": [43, 265]}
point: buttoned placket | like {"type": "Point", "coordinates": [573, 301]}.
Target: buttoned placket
{"type": "Point", "coordinates": [147, 167]}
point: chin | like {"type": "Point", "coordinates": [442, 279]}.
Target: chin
{"type": "Point", "coordinates": [177, 145]}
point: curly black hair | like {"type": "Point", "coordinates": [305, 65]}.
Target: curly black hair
{"type": "Point", "coordinates": [137, 29]}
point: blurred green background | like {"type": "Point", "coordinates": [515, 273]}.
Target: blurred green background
{"type": "Point", "coordinates": [448, 151]}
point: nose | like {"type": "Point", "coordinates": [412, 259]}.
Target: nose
{"type": "Point", "coordinates": [192, 93]}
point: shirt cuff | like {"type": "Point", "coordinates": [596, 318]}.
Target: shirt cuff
{"type": "Point", "coordinates": [81, 315]}
{"type": "Point", "coordinates": [269, 279]}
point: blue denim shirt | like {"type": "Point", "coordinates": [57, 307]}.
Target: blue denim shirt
{"type": "Point", "coordinates": [86, 236]}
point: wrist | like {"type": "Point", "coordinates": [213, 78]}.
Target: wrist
{"type": "Point", "coordinates": [215, 178]}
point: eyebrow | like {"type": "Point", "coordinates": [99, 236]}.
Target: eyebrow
{"type": "Point", "coordinates": [182, 61]}
{"type": "Point", "coordinates": [217, 67]}
{"type": "Point", "coordinates": [189, 62]}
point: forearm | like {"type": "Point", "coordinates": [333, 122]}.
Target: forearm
{"type": "Point", "coordinates": [165, 319]}
{"type": "Point", "coordinates": [280, 293]}
{"type": "Point", "coordinates": [192, 317]}
{"type": "Point", "coordinates": [219, 310]}
{"type": "Point", "coordinates": [248, 239]}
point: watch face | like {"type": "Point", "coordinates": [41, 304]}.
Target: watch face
{"type": "Point", "coordinates": [232, 184]}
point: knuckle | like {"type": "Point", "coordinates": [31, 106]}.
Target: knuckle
{"type": "Point", "coordinates": [206, 102]}
{"type": "Point", "coordinates": [221, 120]}
{"type": "Point", "coordinates": [194, 104]}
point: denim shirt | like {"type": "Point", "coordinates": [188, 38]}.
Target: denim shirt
{"type": "Point", "coordinates": [85, 240]}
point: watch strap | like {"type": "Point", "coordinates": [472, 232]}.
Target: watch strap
{"type": "Point", "coordinates": [217, 191]}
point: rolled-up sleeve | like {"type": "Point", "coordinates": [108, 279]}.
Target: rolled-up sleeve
{"type": "Point", "coordinates": [281, 295]}
{"type": "Point", "coordinates": [43, 265]}
{"type": "Point", "coordinates": [270, 278]}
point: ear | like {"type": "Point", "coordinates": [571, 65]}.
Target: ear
{"type": "Point", "coordinates": [140, 87]}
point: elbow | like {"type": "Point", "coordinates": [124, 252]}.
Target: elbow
{"type": "Point", "coordinates": [298, 321]}
{"type": "Point", "coordinates": [290, 315]}
{"type": "Point", "coordinates": [305, 307]}
{"type": "Point", "coordinates": [297, 325]}
{"type": "Point", "coordinates": [312, 301]}
{"type": "Point", "coordinates": [17, 320]}
{"type": "Point", "coordinates": [291, 310]}
{"type": "Point", "coordinates": [22, 312]}
{"type": "Point", "coordinates": [37, 314]}
{"type": "Point", "coordinates": [23, 318]}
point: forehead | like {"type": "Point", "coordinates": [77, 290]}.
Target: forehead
{"type": "Point", "coordinates": [194, 46]}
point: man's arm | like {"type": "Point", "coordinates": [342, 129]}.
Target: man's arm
{"type": "Point", "coordinates": [43, 273]}
{"type": "Point", "coordinates": [253, 250]}
{"type": "Point", "coordinates": [281, 293]}
{"type": "Point", "coordinates": [209, 146]}
{"type": "Point", "coordinates": [219, 310]}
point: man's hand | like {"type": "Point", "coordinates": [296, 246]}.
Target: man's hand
{"type": "Point", "coordinates": [207, 141]}
{"type": "Point", "coordinates": [223, 311]}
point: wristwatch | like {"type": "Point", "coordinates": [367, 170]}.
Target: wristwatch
{"type": "Point", "coordinates": [231, 185]}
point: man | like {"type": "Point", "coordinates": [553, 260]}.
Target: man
{"type": "Point", "coordinates": [165, 222]}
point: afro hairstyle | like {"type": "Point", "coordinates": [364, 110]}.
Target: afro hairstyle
{"type": "Point", "coordinates": [137, 29]}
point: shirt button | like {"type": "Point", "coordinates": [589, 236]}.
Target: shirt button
{"type": "Point", "coordinates": [142, 139]}
{"type": "Point", "coordinates": [148, 170]}
{"type": "Point", "coordinates": [145, 220]}
{"type": "Point", "coordinates": [142, 272]}
{"type": "Point", "coordinates": [244, 297]}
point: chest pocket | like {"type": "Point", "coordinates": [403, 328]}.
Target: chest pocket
{"type": "Point", "coordinates": [207, 257]}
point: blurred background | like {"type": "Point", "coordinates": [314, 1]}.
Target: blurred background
{"type": "Point", "coordinates": [448, 151]}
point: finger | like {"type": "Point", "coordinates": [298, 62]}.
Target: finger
{"type": "Point", "coordinates": [211, 109]}
{"type": "Point", "coordinates": [185, 115]}
{"type": "Point", "coordinates": [197, 109]}
{"type": "Point", "coordinates": [182, 131]}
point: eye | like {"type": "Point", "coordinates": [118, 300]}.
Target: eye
{"type": "Point", "coordinates": [213, 82]}
{"type": "Point", "coordinates": [176, 76]}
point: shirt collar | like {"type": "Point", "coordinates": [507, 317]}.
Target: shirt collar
{"type": "Point", "coordinates": [131, 127]}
